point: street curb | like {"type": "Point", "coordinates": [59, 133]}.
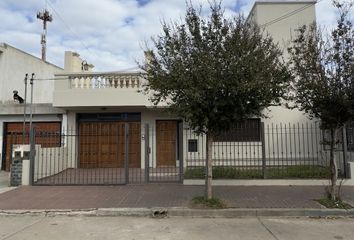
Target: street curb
{"type": "Point", "coordinates": [261, 212]}
{"type": "Point", "coordinates": [49, 212]}
{"type": "Point", "coordinates": [185, 212]}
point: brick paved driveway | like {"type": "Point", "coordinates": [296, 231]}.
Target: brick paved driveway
{"type": "Point", "coordinates": [160, 195]}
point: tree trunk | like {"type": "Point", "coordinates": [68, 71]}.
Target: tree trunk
{"type": "Point", "coordinates": [209, 167]}
{"type": "Point", "coordinates": [333, 166]}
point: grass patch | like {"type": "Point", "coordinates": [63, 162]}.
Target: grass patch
{"type": "Point", "coordinates": [329, 203]}
{"type": "Point", "coordinates": [300, 172]}
{"type": "Point", "coordinates": [202, 202]}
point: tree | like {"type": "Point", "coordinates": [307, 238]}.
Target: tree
{"type": "Point", "coordinates": [214, 72]}
{"type": "Point", "coordinates": [323, 87]}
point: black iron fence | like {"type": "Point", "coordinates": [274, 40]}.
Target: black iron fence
{"type": "Point", "coordinates": [119, 153]}
{"type": "Point", "coordinates": [254, 150]}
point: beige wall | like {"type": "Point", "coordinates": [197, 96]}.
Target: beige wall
{"type": "Point", "coordinates": [74, 63]}
{"type": "Point", "coordinates": [14, 64]}
{"type": "Point", "coordinates": [99, 97]}
{"type": "Point", "coordinates": [283, 31]}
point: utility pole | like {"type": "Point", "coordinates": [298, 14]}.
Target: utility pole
{"type": "Point", "coordinates": [31, 134]}
{"type": "Point", "coordinates": [24, 112]}
{"type": "Point", "coordinates": [45, 16]}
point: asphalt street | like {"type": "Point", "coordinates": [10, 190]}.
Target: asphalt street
{"type": "Point", "coordinates": [83, 227]}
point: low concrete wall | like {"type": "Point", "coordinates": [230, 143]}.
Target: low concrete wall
{"type": "Point", "coordinates": [274, 182]}
{"type": "Point", "coordinates": [25, 172]}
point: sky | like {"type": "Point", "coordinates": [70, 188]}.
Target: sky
{"type": "Point", "coordinates": [111, 34]}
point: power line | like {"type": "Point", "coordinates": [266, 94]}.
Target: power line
{"type": "Point", "coordinates": [68, 27]}
{"type": "Point", "coordinates": [287, 15]}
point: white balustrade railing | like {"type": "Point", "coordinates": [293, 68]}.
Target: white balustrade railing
{"type": "Point", "coordinates": [95, 81]}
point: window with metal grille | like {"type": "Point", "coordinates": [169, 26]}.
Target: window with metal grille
{"type": "Point", "coordinates": [192, 145]}
{"type": "Point", "coordinates": [247, 131]}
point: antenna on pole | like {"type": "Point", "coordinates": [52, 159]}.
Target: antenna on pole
{"type": "Point", "coordinates": [45, 16]}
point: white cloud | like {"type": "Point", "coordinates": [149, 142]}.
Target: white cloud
{"type": "Point", "coordinates": [108, 33]}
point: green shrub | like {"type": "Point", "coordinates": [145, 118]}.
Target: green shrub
{"type": "Point", "coordinates": [329, 203]}
{"type": "Point", "coordinates": [290, 172]}
{"type": "Point", "coordinates": [202, 202]}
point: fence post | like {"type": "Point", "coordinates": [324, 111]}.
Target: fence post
{"type": "Point", "coordinates": [126, 155]}
{"type": "Point", "coordinates": [147, 152]}
{"type": "Point", "coordinates": [263, 151]}
{"type": "Point", "coordinates": [345, 150]}
{"type": "Point", "coordinates": [180, 149]}
{"type": "Point", "coordinates": [32, 154]}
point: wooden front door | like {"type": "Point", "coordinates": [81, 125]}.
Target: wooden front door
{"type": "Point", "coordinates": [166, 143]}
{"type": "Point", "coordinates": [102, 144]}
{"type": "Point", "coordinates": [47, 134]}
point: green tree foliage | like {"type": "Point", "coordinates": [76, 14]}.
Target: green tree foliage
{"type": "Point", "coordinates": [214, 72]}
{"type": "Point", "coordinates": [323, 69]}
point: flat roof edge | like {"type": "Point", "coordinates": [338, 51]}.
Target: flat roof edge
{"type": "Point", "coordinates": [280, 2]}
{"type": "Point", "coordinates": [285, 1]}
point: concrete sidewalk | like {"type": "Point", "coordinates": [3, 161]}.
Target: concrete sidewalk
{"type": "Point", "coordinates": [4, 182]}
{"type": "Point", "coordinates": [163, 196]}
{"type": "Point", "coordinates": [4, 179]}
{"type": "Point", "coordinates": [93, 228]}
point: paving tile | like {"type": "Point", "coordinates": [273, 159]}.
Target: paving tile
{"type": "Point", "coordinates": [162, 195]}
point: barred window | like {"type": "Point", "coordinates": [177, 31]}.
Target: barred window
{"type": "Point", "coordinates": [192, 145]}
{"type": "Point", "coordinates": [247, 131]}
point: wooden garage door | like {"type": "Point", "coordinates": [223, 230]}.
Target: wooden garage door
{"type": "Point", "coordinates": [166, 143]}
{"type": "Point", "coordinates": [47, 134]}
{"type": "Point", "coordinates": [102, 145]}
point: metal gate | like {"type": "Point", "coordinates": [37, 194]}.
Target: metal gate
{"type": "Point", "coordinates": [105, 153]}
{"type": "Point", "coordinates": [99, 153]}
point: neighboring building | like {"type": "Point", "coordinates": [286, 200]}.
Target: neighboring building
{"type": "Point", "coordinates": [280, 19]}
{"type": "Point", "coordinates": [14, 64]}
